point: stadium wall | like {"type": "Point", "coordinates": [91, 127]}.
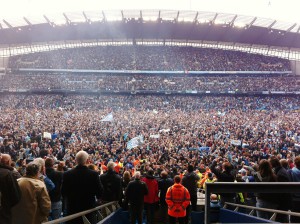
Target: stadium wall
{"type": "Point", "coordinates": [295, 65]}
{"type": "Point", "coordinates": [4, 62]}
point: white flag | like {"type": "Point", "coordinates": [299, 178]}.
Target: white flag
{"type": "Point", "coordinates": [47, 135]}
{"type": "Point", "coordinates": [154, 136]}
{"type": "Point", "coordinates": [108, 117]}
{"type": "Point", "coordinates": [236, 142]}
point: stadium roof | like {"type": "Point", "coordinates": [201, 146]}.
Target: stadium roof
{"type": "Point", "coordinates": [255, 22]}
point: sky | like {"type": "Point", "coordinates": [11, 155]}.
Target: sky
{"type": "Point", "coordinates": [280, 10]}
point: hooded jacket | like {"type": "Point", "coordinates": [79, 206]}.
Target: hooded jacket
{"type": "Point", "coordinates": [189, 181]}
{"type": "Point", "coordinates": [177, 198]}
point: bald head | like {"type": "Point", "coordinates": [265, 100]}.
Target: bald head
{"type": "Point", "coordinates": [81, 157]}
{"type": "Point", "coordinates": [6, 159]}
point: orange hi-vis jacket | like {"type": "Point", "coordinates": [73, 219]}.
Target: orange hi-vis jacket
{"type": "Point", "coordinates": [177, 198]}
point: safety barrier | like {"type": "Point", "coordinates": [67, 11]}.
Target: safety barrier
{"type": "Point", "coordinates": [225, 187]}
{"type": "Point", "coordinates": [103, 213]}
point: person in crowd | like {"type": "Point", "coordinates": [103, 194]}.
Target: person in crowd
{"type": "Point", "coordinates": [151, 200]}
{"type": "Point", "coordinates": [35, 204]}
{"type": "Point", "coordinates": [112, 185]}
{"type": "Point", "coordinates": [295, 177]}
{"type": "Point", "coordinates": [134, 194]}
{"type": "Point", "coordinates": [225, 175]}
{"type": "Point", "coordinates": [9, 191]}
{"type": "Point", "coordinates": [49, 183]}
{"type": "Point", "coordinates": [81, 187]}
{"type": "Point", "coordinates": [284, 200]}
{"type": "Point", "coordinates": [163, 185]}
{"type": "Point", "coordinates": [125, 181]}
{"type": "Point", "coordinates": [55, 194]}
{"type": "Point", "coordinates": [190, 182]}
{"type": "Point", "coordinates": [5, 162]}
{"type": "Point", "coordinates": [265, 200]}
{"type": "Point", "coordinates": [214, 208]}
{"type": "Point", "coordinates": [178, 199]}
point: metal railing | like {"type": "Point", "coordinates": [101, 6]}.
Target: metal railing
{"type": "Point", "coordinates": [103, 213]}
{"type": "Point", "coordinates": [252, 208]}
{"type": "Point", "coordinates": [225, 187]}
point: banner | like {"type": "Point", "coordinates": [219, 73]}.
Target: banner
{"type": "Point", "coordinates": [154, 136]}
{"type": "Point", "coordinates": [236, 142]}
{"type": "Point", "coordinates": [47, 135]}
{"type": "Point", "coordinates": [108, 117]}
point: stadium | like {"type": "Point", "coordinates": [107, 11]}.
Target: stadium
{"type": "Point", "coordinates": [108, 108]}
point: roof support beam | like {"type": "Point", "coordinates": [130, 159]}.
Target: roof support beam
{"type": "Point", "coordinates": [252, 22]}
{"type": "Point", "coordinates": [67, 19]}
{"type": "Point", "coordinates": [7, 24]}
{"type": "Point", "coordinates": [196, 17]}
{"type": "Point", "coordinates": [122, 15]}
{"type": "Point", "coordinates": [232, 21]}
{"type": "Point", "coordinates": [85, 17]}
{"type": "Point", "coordinates": [272, 24]}
{"type": "Point", "coordinates": [298, 29]}
{"type": "Point", "coordinates": [176, 19]}
{"type": "Point", "coordinates": [141, 15]}
{"type": "Point", "coordinates": [292, 27]}
{"type": "Point", "coordinates": [1, 26]}
{"type": "Point", "coordinates": [27, 21]}
{"type": "Point", "coordinates": [214, 19]}
{"type": "Point", "coordinates": [104, 16]}
{"type": "Point", "coordinates": [48, 20]}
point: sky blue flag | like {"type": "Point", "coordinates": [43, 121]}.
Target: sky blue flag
{"type": "Point", "coordinates": [108, 117]}
{"type": "Point", "coordinates": [136, 141]}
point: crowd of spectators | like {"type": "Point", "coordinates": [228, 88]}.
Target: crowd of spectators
{"type": "Point", "coordinates": [159, 58]}
{"type": "Point", "coordinates": [203, 132]}
{"type": "Point", "coordinates": [149, 82]}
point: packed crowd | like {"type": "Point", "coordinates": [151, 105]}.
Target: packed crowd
{"type": "Point", "coordinates": [203, 132]}
{"type": "Point", "coordinates": [149, 82]}
{"type": "Point", "coordinates": [161, 58]}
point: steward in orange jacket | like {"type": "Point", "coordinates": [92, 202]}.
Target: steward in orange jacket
{"type": "Point", "coordinates": [177, 198]}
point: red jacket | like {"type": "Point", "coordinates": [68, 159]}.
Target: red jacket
{"type": "Point", "coordinates": [177, 198]}
{"type": "Point", "coordinates": [152, 185]}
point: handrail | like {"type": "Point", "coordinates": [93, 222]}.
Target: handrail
{"type": "Point", "coordinates": [275, 211]}
{"type": "Point", "coordinates": [262, 187]}
{"type": "Point", "coordinates": [81, 214]}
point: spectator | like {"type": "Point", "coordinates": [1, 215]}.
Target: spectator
{"type": "Point", "coordinates": [10, 193]}
{"type": "Point", "coordinates": [34, 206]}
{"type": "Point", "coordinates": [265, 200]}
{"type": "Point", "coordinates": [163, 185]}
{"type": "Point", "coordinates": [177, 198]}
{"type": "Point", "coordinates": [284, 200]}
{"type": "Point", "coordinates": [134, 193]}
{"type": "Point", "coordinates": [112, 185]}
{"type": "Point", "coordinates": [5, 162]}
{"type": "Point", "coordinates": [224, 176]}
{"type": "Point", "coordinates": [151, 200]}
{"type": "Point", "coordinates": [295, 177]}
{"type": "Point", "coordinates": [190, 181]}
{"type": "Point", "coordinates": [55, 194]}
{"type": "Point", "coordinates": [81, 186]}
{"type": "Point", "coordinates": [48, 182]}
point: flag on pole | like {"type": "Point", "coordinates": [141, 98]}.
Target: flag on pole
{"type": "Point", "coordinates": [136, 141]}
{"type": "Point", "coordinates": [108, 117]}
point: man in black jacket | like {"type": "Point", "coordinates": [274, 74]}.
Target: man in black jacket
{"type": "Point", "coordinates": [55, 194]}
{"type": "Point", "coordinates": [81, 186]}
{"type": "Point", "coordinates": [112, 185]}
{"type": "Point", "coordinates": [10, 193]}
{"type": "Point", "coordinates": [163, 184]}
{"type": "Point", "coordinates": [189, 181]}
{"type": "Point", "coordinates": [226, 175]}
{"type": "Point", "coordinates": [134, 193]}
